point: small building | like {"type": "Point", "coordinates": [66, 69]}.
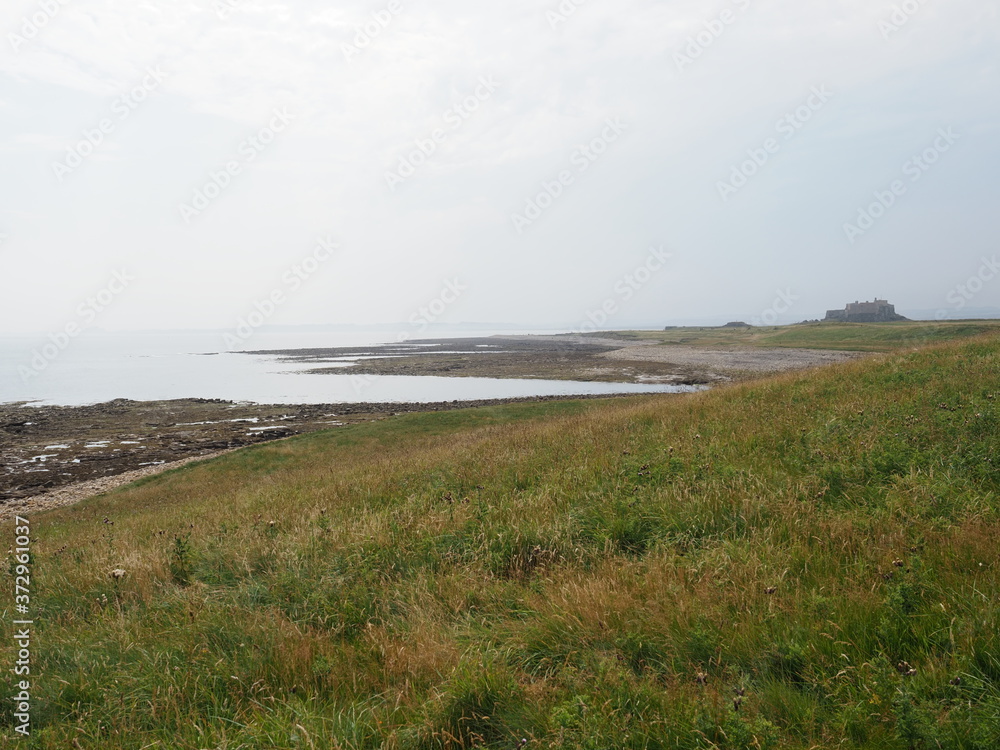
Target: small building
{"type": "Point", "coordinates": [878, 311]}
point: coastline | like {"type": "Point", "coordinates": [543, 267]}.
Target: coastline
{"type": "Point", "coordinates": [54, 455]}
{"type": "Point", "coordinates": [49, 451]}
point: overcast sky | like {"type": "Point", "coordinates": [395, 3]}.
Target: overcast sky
{"type": "Point", "coordinates": [655, 125]}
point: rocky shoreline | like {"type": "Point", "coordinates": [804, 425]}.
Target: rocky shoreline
{"type": "Point", "coordinates": [46, 449]}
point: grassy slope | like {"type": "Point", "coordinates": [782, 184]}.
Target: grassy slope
{"type": "Point", "coordinates": [879, 337]}
{"type": "Point", "coordinates": [560, 572]}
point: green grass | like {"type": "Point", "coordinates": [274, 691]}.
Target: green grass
{"type": "Point", "coordinates": [875, 337]}
{"type": "Point", "coordinates": [596, 574]}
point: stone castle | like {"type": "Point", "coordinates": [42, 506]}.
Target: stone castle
{"type": "Point", "coordinates": [879, 311]}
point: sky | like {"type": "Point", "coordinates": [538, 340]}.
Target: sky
{"type": "Point", "coordinates": [191, 164]}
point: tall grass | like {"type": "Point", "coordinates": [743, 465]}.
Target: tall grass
{"type": "Point", "coordinates": [807, 561]}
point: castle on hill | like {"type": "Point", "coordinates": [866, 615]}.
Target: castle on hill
{"type": "Point", "coordinates": [879, 311]}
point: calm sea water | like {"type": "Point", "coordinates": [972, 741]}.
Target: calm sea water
{"type": "Point", "coordinates": [99, 367]}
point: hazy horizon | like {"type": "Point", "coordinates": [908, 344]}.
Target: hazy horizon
{"type": "Point", "coordinates": [500, 327]}
{"type": "Point", "coordinates": [187, 164]}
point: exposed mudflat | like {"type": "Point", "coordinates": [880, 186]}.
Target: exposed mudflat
{"type": "Point", "coordinates": [523, 357]}
{"type": "Point", "coordinates": [565, 357]}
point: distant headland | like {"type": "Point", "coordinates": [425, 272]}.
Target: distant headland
{"type": "Point", "coordinates": [878, 311]}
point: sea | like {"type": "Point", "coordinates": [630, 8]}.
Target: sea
{"type": "Point", "coordinates": [100, 366]}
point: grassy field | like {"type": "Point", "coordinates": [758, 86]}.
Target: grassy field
{"type": "Point", "coordinates": [808, 561]}
{"type": "Point", "coordinates": [873, 337]}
